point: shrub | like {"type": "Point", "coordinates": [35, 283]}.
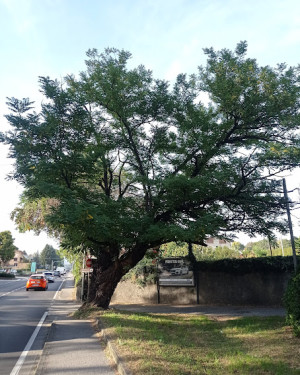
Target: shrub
{"type": "Point", "coordinates": [7, 275]}
{"type": "Point", "coordinates": [248, 265]}
{"type": "Point", "coordinates": [292, 303]}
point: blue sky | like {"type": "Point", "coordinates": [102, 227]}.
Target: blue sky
{"type": "Point", "coordinates": [51, 37]}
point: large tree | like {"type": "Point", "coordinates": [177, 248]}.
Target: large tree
{"type": "Point", "coordinates": [7, 247]}
{"type": "Point", "coordinates": [49, 257]}
{"type": "Point", "coordinates": [132, 163]}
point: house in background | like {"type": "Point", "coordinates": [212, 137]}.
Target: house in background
{"type": "Point", "coordinates": [217, 242]}
{"type": "Point", "coordinates": [18, 262]}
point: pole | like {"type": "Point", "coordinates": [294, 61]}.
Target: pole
{"type": "Point", "coordinates": [88, 291]}
{"type": "Point", "coordinates": [195, 269]}
{"type": "Point", "coordinates": [290, 224]}
{"type": "Point", "coordinates": [82, 277]}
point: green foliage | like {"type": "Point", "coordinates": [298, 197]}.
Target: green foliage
{"type": "Point", "coordinates": [49, 256]}
{"type": "Point", "coordinates": [76, 258]}
{"type": "Point", "coordinates": [297, 245]}
{"type": "Point", "coordinates": [7, 247]}
{"type": "Point", "coordinates": [247, 265]}
{"type": "Point", "coordinates": [292, 303]}
{"type": "Point", "coordinates": [117, 162]}
{"type": "Point", "coordinates": [173, 249]}
{"type": "Point", "coordinates": [145, 272]}
{"type": "Point", "coordinates": [7, 275]}
{"type": "Point", "coordinates": [32, 215]}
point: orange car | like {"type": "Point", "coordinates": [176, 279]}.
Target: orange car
{"type": "Point", "coordinates": [37, 282]}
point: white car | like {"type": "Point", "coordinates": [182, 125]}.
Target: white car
{"type": "Point", "coordinates": [49, 276]}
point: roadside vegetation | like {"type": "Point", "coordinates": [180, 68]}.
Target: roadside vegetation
{"type": "Point", "coordinates": [116, 161]}
{"type": "Point", "coordinates": [7, 275]}
{"type": "Point", "coordinates": [196, 345]}
{"type": "Point", "coordinates": [256, 249]}
{"type": "Point", "coordinates": [292, 303]}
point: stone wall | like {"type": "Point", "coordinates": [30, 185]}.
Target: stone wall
{"type": "Point", "coordinates": [255, 289]}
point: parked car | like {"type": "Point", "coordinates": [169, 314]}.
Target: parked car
{"type": "Point", "coordinates": [56, 273]}
{"type": "Point", "coordinates": [37, 282]}
{"type": "Point", "coordinates": [49, 276]}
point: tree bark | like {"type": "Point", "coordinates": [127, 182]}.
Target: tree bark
{"type": "Point", "coordinates": [107, 272]}
{"type": "Point", "coordinates": [103, 285]}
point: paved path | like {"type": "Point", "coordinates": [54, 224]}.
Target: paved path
{"type": "Point", "coordinates": [224, 311]}
{"type": "Point", "coordinates": [72, 346]}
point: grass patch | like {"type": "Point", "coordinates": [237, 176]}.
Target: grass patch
{"type": "Point", "coordinates": [195, 345]}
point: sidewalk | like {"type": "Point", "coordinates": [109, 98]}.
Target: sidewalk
{"type": "Point", "coordinates": [72, 346]}
{"type": "Point", "coordinates": [216, 311]}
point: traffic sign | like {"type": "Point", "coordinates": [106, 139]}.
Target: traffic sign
{"type": "Point", "coordinates": [88, 262]}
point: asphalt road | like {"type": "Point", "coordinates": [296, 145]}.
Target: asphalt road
{"type": "Point", "coordinates": [21, 312]}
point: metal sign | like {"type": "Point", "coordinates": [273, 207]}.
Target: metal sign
{"type": "Point", "coordinates": [175, 272]}
{"type": "Point", "coordinates": [87, 270]}
{"type": "Point", "coordinates": [88, 262]}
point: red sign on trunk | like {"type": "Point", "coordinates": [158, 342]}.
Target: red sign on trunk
{"type": "Point", "coordinates": [89, 262]}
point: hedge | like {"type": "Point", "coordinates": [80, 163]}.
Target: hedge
{"type": "Point", "coordinates": [278, 264]}
{"type": "Point", "coordinates": [7, 275]}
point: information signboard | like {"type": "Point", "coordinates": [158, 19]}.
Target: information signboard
{"type": "Point", "coordinates": [33, 267]}
{"type": "Point", "coordinates": [175, 272]}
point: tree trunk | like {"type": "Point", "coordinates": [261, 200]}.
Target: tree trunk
{"type": "Point", "coordinates": [103, 284]}
{"type": "Point", "coordinates": [107, 272]}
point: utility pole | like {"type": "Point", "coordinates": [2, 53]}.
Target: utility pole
{"type": "Point", "coordinates": [290, 224]}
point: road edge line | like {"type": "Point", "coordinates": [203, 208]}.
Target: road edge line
{"type": "Point", "coordinates": [23, 355]}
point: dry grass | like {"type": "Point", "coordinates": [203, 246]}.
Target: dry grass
{"type": "Point", "coordinates": [196, 345]}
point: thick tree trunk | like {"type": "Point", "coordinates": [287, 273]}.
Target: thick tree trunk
{"type": "Point", "coordinates": [103, 284]}
{"type": "Point", "coordinates": [107, 273]}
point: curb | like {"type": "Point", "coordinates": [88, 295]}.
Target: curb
{"type": "Point", "coordinates": [121, 368]}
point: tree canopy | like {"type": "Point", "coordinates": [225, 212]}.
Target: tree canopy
{"type": "Point", "coordinates": [7, 247]}
{"type": "Point", "coordinates": [132, 163]}
{"type": "Point", "coordinates": [49, 257]}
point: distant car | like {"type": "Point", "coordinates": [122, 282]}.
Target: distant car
{"type": "Point", "coordinates": [14, 271]}
{"type": "Point", "coordinates": [37, 282]}
{"type": "Point", "coordinates": [56, 273]}
{"type": "Point", "coordinates": [62, 270]}
{"type": "Point", "coordinates": [49, 276]}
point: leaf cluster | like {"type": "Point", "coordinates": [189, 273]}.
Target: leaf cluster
{"type": "Point", "coordinates": [276, 264]}
{"type": "Point", "coordinates": [7, 247]}
{"type": "Point", "coordinates": [118, 161]}
{"type": "Point", "coordinates": [292, 303]}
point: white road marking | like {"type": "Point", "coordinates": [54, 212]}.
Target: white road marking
{"type": "Point", "coordinates": [55, 295]}
{"type": "Point", "coordinates": [22, 357]}
{"type": "Point", "coordinates": [19, 364]}
{"type": "Point", "coordinates": [5, 294]}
